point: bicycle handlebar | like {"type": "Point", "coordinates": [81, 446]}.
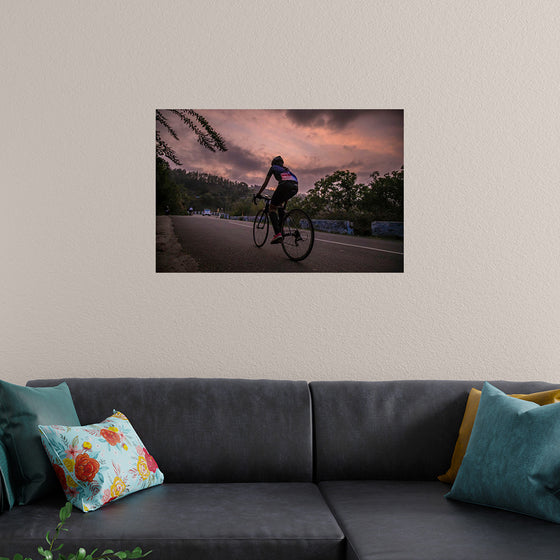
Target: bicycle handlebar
{"type": "Point", "coordinates": [260, 196]}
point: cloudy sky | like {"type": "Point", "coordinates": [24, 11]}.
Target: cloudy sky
{"type": "Point", "coordinates": [313, 143]}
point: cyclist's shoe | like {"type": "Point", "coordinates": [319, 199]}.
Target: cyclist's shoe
{"type": "Point", "coordinates": [276, 239]}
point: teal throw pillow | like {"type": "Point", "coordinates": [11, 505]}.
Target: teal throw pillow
{"type": "Point", "coordinates": [513, 457]}
{"type": "Point", "coordinates": [100, 463]}
{"type": "Point", "coordinates": [21, 410]}
{"type": "Point", "coordinates": [7, 498]}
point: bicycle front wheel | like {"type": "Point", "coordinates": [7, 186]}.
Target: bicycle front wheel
{"type": "Point", "coordinates": [260, 228]}
{"type": "Point", "coordinates": [297, 235]}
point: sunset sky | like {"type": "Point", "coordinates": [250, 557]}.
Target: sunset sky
{"type": "Point", "coordinates": [313, 143]}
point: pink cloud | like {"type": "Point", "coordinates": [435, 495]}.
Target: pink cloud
{"type": "Point", "coordinates": [312, 143]}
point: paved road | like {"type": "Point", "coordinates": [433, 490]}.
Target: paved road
{"type": "Point", "coordinates": [227, 246]}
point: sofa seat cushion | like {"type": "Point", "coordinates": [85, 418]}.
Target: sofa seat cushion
{"type": "Point", "coordinates": [195, 521]}
{"type": "Point", "coordinates": [412, 520]}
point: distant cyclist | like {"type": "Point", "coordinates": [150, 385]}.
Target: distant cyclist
{"type": "Point", "coordinates": [286, 189]}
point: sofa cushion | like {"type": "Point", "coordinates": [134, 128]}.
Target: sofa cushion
{"type": "Point", "coordinates": [541, 398]}
{"type": "Point", "coordinates": [411, 520]}
{"type": "Point", "coordinates": [100, 463]}
{"type": "Point", "coordinates": [192, 521]}
{"type": "Point", "coordinates": [21, 410]}
{"type": "Point", "coordinates": [400, 430]}
{"type": "Point", "coordinates": [209, 430]}
{"type": "Point", "coordinates": [513, 457]}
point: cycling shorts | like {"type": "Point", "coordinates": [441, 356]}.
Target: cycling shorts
{"type": "Point", "coordinates": [284, 191]}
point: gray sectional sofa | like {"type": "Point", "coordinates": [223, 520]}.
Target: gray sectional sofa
{"type": "Point", "coordinates": [262, 469]}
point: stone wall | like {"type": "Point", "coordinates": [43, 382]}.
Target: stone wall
{"type": "Point", "coordinates": [345, 227]}
{"type": "Point", "coordinates": [394, 229]}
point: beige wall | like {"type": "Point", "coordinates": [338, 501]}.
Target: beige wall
{"type": "Point", "coordinates": [479, 85]}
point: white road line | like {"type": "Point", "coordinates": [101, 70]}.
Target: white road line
{"type": "Point", "coordinates": [245, 224]}
{"type": "Point", "coordinates": [358, 246]}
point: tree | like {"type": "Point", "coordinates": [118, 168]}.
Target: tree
{"type": "Point", "coordinates": [242, 207]}
{"type": "Point", "coordinates": [206, 135]}
{"type": "Point", "coordinates": [384, 195]}
{"type": "Point", "coordinates": [167, 191]}
{"type": "Point", "coordinates": [336, 193]}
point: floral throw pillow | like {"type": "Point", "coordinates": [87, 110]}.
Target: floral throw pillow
{"type": "Point", "coordinates": [99, 463]}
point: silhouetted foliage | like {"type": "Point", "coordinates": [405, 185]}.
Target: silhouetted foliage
{"type": "Point", "coordinates": [339, 197]}
{"type": "Point", "coordinates": [205, 134]}
{"type": "Point", "coordinates": [385, 195]}
{"type": "Point", "coordinates": [336, 196]}
{"type": "Point", "coordinates": [168, 193]}
{"type": "Point", "coordinates": [181, 190]}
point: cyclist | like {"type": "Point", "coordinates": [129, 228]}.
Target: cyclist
{"type": "Point", "coordinates": [286, 189]}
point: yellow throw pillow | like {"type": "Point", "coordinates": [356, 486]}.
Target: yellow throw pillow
{"type": "Point", "coordinates": [541, 398]}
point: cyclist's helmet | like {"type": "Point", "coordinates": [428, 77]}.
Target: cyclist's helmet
{"type": "Point", "coordinates": [277, 161]}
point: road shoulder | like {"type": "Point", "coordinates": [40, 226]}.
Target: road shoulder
{"type": "Point", "coordinates": [170, 256]}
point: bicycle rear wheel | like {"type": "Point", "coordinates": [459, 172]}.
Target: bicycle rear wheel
{"type": "Point", "coordinates": [297, 235]}
{"type": "Point", "coordinates": [260, 228]}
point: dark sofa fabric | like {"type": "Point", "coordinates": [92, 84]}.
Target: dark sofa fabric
{"type": "Point", "coordinates": [393, 430]}
{"type": "Point", "coordinates": [208, 430]}
{"type": "Point", "coordinates": [273, 521]}
{"type": "Point", "coordinates": [411, 520]}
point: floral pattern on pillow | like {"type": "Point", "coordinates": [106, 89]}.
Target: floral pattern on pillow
{"type": "Point", "coordinates": [99, 463]}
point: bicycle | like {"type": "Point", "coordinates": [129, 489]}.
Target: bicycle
{"type": "Point", "coordinates": [297, 230]}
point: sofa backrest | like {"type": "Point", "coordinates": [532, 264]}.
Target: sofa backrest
{"type": "Point", "coordinates": [401, 430]}
{"type": "Point", "coordinates": [208, 430]}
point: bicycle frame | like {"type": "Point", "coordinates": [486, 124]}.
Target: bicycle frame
{"type": "Point", "coordinates": [293, 232]}
{"type": "Point", "coordinates": [266, 208]}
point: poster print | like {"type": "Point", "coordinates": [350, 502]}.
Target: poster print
{"type": "Point", "coordinates": [300, 190]}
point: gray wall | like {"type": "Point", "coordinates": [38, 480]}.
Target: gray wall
{"type": "Point", "coordinates": [479, 86]}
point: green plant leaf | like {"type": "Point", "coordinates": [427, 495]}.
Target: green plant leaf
{"type": "Point", "coordinates": [64, 514]}
{"type": "Point", "coordinates": [46, 554]}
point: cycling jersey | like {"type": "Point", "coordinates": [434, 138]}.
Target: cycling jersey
{"type": "Point", "coordinates": [282, 174]}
